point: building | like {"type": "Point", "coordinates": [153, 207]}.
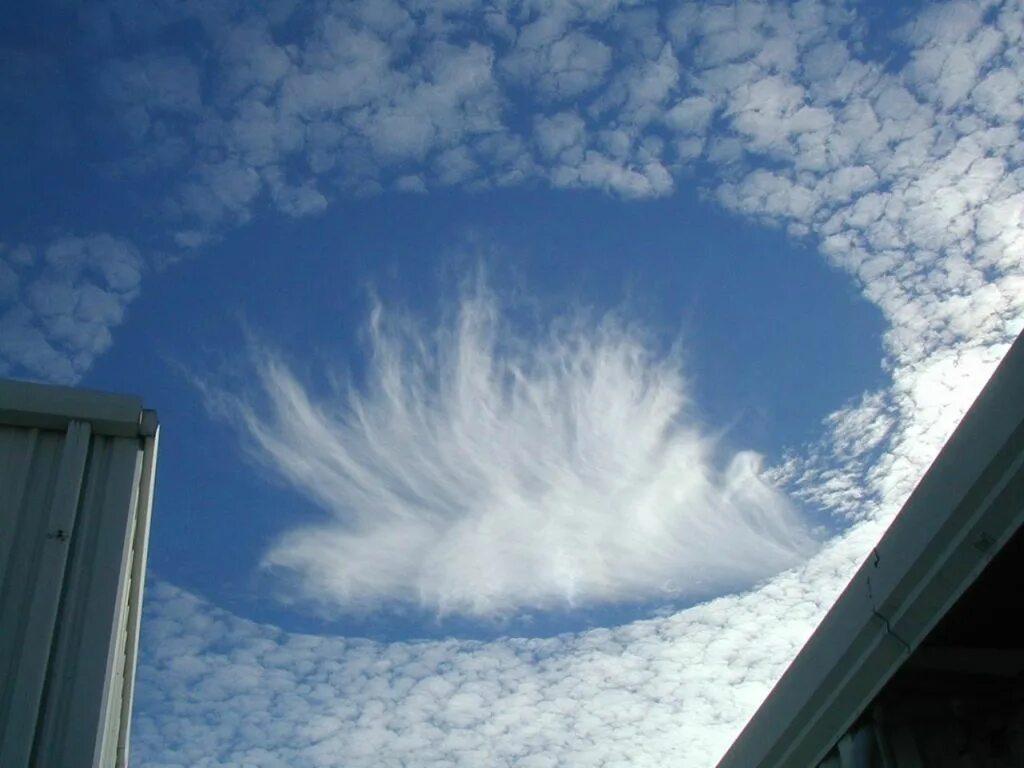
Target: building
{"type": "Point", "coordinates": [921, 660]}
{"type": "Point", "coordinates": [76, 489]}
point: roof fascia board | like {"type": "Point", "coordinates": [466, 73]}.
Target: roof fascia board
{"type": "Point", "coordinates": [959, 516]}
{"type": "Point", "coordinates": [43, 406]}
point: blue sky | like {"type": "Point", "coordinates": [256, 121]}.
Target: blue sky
{"type": "Point", "coordinates": [532, 376]}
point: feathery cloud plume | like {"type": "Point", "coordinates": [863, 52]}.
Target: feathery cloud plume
{"type": "Point", "coordinates": [483, 469]}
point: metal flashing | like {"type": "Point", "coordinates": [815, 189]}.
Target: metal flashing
{"type": "Point", "coordinates": [25, 404]}
{"type": "Point", "coordinates": [968, 504]}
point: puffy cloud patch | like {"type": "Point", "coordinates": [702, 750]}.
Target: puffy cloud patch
{"type": "Point", "coordinates": [691, 115]}
{"type": "Point", "coordinates": [482, 471]}
{"type": "Point", "coordinates": [215, 689]}
{"type": "Point", "coordinates": [372, 94]}
{"type": "Point", "coordinates": [899, 183]}
{"type": "Point", "coordinates": [561, 69]}
{"type": "Point", "coordinates": [614, 174]}
{"type": "Point", "coordinates": [60, 303]}
{"type": "Point", "coordinates": [564, 132]}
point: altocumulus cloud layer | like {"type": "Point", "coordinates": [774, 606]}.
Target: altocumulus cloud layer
{"type": "Point", "coordinates": [61, 303]}
{"type": "Point", "coordinates": [906, 175]}
{"type": "Point", "coordinates": [217, 690]}
{"type": "Point", "coordinates": [483, 470]}
{"type": "Point", "coordinates": [905, 171]}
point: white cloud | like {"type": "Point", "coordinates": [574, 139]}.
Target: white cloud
{"type": "Point", "coordinates": [999, 95]}
{"type": "Point", "coordinates": [904, 175]}
{"type": "Point", "coordinates": [691, 115]}
{"type": "Point", "coordinates": [220, 192]}
{"type": "Point", "coordinates": [340, 107]}
{"type": "Point", "coordinates": [562, 68]}
{"type": "Point", "coordinates": [906, 178]}
{"type": "Point", "coordinates": [637, 96]}
{"type": "Point", "coordinates": [617, 175]}
{"type": "Point", "coordinates": [150, 88]}
{"type": "Point", "coordinates": [295, 200]}
{"type": "Point", "coordinates": [410, 184]}
{"type": "Point", "coordinates": [215, 689]}
{"type": "Point", "coordinates": [951, 46]}
{"type": "Point", "coordinates": [61, 310]}
{"type": "Point", "coordinates": [455, 166]}
{"type": "Point", "coordinates": [373, 93]}
{"type": "Point", "coordinates": [252, 59]}
{"type": "Point", "coordinates": [481, 471]}
{"type": "Point", "coordinates": [560, 133]}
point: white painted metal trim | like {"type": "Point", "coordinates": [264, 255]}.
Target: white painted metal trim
{"type": "Point", "coordinates": [966, 507]}
{"type": "Point", "coordinates": [48, 407]}
{"type": "Point", "coordinates": [140, 549]}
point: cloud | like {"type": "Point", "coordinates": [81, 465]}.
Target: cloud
{"type": "Point", "coordinates": [215, 689]}
{"type": "Point", "coordinates": [639, 93]}
{"type": "Point", "coordinates": [483, 469]}
{"type": "Point", "coordinates": [166, 82]}
{"type": "Point", "coordinates": [374, 93]}
{"type": "Point", "coordinates": [898, 177]}
{"type": "Point", "coordinates": [558, 52]}
{"type": "Point", "coordinates": [904, 172]}
{"type": "Point", "coordinates": [559, 133]}
{"type": "Point", "coordinates": [905, 176]}
{"type": "Point", "coordinates": [562, 68]}
{"type": "Point", "coordinates": [691, 115]}
{"type": "Point", "coordinates": [410, 183]}
{"type": "Point", "coordinates": [60, 306]}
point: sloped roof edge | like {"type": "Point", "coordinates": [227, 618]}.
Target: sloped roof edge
{"type": "Point", "coordinates": [45, 406]}
{"type": "Point", "coordinates": [965, 508]}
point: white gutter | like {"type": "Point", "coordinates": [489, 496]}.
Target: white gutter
{"type": "Point", "coordinates": [966, 507]}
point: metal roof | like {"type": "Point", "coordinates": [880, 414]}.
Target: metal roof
{"type": "Point", "coordinates": [44, 406]}
{"type": "Point", "coordinates": [965, 508]}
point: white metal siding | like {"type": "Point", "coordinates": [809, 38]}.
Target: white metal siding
{"type": "Point", "coordinates": [73, 530]}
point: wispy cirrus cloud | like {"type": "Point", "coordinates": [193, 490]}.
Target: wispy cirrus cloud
{"type": "Point", "coordinates": [483, 469]}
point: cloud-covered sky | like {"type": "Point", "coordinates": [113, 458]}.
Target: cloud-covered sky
{"type": "Point", "coordinates": [533, 375]}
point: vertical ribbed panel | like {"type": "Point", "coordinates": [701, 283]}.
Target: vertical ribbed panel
{"type": "Point", "coordinates": [44, 503]}
{"type": "Point", "coordinates": [70, 512]}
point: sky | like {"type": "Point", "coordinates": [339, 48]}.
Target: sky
{"type": "Point", "coordinates": [532, 377]}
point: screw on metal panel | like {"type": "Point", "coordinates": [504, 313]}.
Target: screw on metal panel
{"type": "Point", "coordinates": [983, 543]}
{"type": "Point", "coordinates": [882, 617]}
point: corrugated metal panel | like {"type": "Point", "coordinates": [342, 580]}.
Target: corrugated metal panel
{"type": "Point", "coordinates": [74, 519]}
